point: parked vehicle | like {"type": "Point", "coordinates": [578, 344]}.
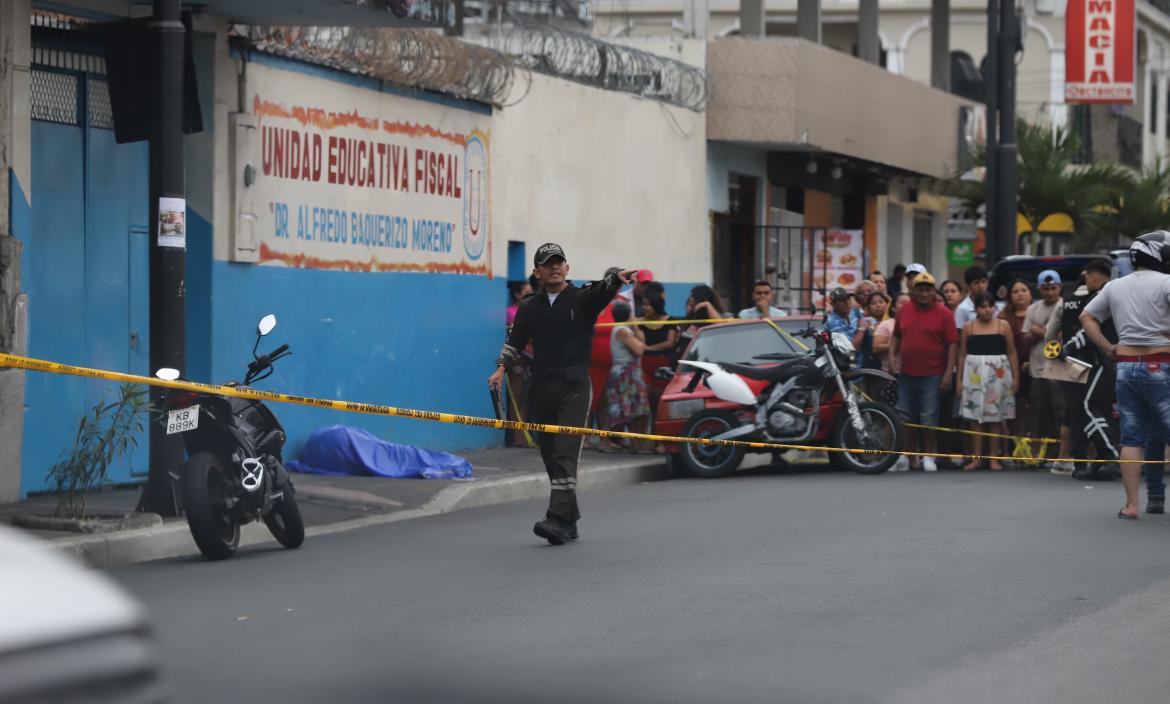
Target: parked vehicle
{"type": "Point", "coordinates": [733, 341]}
{"type": "Point", "coordinates": [1028, 268]}
{"type": "Point", "coordinates": [811, 397]}
{"type": "Point", "coordinates": [235, 472]}
{"type": "Point", "coordinates": [69, 634]}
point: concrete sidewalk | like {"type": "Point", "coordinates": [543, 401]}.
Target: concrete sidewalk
{"type": "Point", "coordinates": [334, 504]}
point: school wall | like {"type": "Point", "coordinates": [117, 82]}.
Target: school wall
{"type": "Point", "coordinates": [366, 322]}
{"type": "Point", "coordinates": [615, 179]}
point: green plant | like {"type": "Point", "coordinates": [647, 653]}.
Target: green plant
{"type": "Point", "coordinates": [1142, 205]}
{"type": "Point", "coordinates": [105, 434]}
{"type": "Point", "coordinates": [1051, 181]}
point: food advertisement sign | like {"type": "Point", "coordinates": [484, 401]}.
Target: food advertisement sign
{"type": "Point", "coordinates": [837, 262]}
{"type": "Point", "coordinates": [357, 179]}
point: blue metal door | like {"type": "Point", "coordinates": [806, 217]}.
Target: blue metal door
{"type": "Point", "coordinates": [87, 265]}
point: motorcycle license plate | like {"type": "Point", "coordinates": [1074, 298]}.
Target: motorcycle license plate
{"type": "Point", "coordinates": [183, 419]}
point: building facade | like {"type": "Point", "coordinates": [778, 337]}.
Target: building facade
{"type": "Point", "coordinates": [379, 222]}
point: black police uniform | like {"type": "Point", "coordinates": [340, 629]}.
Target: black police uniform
{"type": "Point", "coordinates": [1089, 406]}
{"type": "Point", "coordinates": [561, 333]}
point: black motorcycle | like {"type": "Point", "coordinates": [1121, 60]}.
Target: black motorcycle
{"type": "Point", "coordinates": [235, 473]}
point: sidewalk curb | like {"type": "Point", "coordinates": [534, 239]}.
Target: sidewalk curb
{"type": "Point", "coordinates": [173, 539]}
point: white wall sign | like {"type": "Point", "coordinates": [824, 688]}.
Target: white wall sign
{"type": "Point", "coordinates": [355, 179]}
{"type": "Point", "coordinates": [172, 223]}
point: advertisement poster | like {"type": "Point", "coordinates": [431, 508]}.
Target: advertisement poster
{"type": "Point", "coordinates": [362, 180]}
{"type": "Point", "coordinates": [1100, 54]}
{"type": "Point", "coordinates": [838, 261]}
{"type": "Point", "coordinates": [172, 223]}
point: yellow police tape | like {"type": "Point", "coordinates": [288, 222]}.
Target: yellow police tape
{"type": "Point", "coordinates": [39, 365]}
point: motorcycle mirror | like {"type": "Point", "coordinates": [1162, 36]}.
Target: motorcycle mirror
{"type": "Point", "coordinates": [663, 374]}
{"type": "Point", "coordinates": [267, 325]}
{"type": "Point", "coordinates": [167, 374]}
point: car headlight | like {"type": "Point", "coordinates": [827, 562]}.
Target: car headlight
{"type": "Point", "coordinates": [684, 409]}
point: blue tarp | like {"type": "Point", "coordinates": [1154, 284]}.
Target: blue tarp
{"type": "Point", "coordinates": [340, 450]}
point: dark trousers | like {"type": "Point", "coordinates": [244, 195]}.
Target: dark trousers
{"type": "Point", "coordinates": [561, 401]}
{"type": "Point", "coordinates": [1155, 473]}
{"type": "Point", "coordinates": [1089, 408]}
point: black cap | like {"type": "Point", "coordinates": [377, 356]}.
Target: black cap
{"type": "Point", "coordinates": [547, 251]}
{"type": "Point", "coordinates": [839, 294]}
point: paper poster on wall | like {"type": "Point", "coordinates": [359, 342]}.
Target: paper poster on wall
{"type": "Point", "coordinates": [355, 179]}
{"type": "Point", "coordinates": [172, 222]}
{"type": "Point", "coordinates": [837, 263]}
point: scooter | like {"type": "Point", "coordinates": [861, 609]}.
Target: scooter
{"type": "Point", "coordinates": [812, 399]}
{"type": "Point", "coordinates": [235, 472]}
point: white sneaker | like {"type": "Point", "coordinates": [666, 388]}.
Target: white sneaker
{"type": "Point", "coordinates": [928, 465]}
{"type": "Point", "coordinates": [1063, 469]}
{"type": "Point", "coordinates": [902, 465]}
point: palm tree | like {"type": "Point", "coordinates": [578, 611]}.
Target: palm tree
{"type": "Point", "coordinates": [1051, 181]}
{"type": "Point", "coordinates": [1142, 205]}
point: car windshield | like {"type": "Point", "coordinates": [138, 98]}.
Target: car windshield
{"type": "Point", "coordinates": [740, 344]}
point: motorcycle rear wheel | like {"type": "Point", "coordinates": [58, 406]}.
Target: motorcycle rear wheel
{"type": "Point", "coordinates": [285, 523]}
{"type": "Point", "coordinates": [205, 490]}
{"type": "Point", "coordinates": [710, 461]}
{"type": "Point", "coordinates": [885, 432]}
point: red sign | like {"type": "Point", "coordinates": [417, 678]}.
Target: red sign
{"type": "Point", "coordinates": [1099, 61]}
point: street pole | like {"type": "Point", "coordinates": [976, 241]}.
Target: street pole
{"type": "Point", "coordinates": [991, 150]}
{"type": "Point", "coordinates": [1007, 155]}
{"type": "Point", "coordinates": [167, 246]}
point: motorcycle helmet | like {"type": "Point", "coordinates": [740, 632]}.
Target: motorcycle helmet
{"type": "Point", "coordinates": [842, 348]}
{"type": "Point", "coordinates": [1151, 251]}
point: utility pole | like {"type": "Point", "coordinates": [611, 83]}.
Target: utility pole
{"type": "Point", "coordinates": [1007, 161]}
{"type": "Point", "coordinates": [1002, 182]}
{"type": "Point", "coordinates": [168, 253]}
{"type": "Point", "coordinates": [991, 151]}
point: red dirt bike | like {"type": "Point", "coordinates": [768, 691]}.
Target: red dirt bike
{"type": "Point", "coordinates": [811, 399]}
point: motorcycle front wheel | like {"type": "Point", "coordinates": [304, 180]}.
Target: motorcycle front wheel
{"type": "Point", "coordinates": [710, 461]}
{"type": "Point", "coordinates": [206, 489]}
{"type": "Point", "coordinates": [883, 433]}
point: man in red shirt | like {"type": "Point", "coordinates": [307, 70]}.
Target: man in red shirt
{"type": "Point", "coordinates": [925, 334]}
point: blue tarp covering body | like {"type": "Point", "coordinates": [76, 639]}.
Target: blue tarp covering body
{"type": "Point", "coordinates": [339, 450]}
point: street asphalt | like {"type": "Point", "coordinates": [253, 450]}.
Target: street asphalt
{"type": "Point", "coordinates": [765, 587]}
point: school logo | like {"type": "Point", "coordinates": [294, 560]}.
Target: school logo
{"type": "Point", "coordinates": [475, 198]}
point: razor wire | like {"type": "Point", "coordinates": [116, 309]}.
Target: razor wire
{"type": "Point", "coordinates": [411, 57]}
{"type": "Point", "coordinates": [555, 51]}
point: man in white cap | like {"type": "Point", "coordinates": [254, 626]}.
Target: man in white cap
{"type": "Point", "coordinates": [911, 272]}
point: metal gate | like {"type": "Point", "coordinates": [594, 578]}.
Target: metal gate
{"type": "Point", "coordinates": [796, 262]}
{"type": "Point", "coordinates": [87, 258]}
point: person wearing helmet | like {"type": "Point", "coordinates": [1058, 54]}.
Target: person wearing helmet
{"type": "Point", "coordinates": [1139, 305]}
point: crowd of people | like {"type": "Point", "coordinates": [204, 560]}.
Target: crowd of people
{"type": "Point", "coordinates": [964, 362]}
{"type": "Point", "coordinates": [967, 362]}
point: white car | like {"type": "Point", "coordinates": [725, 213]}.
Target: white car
{"type": "Point", "coordinates": [68, 634]}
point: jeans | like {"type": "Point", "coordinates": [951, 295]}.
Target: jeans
{"type": "Point", "coordinates": [1143, 398]}
{"type": "Point", "coordinates": [918, 398]}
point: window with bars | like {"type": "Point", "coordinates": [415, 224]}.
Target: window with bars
{"type": "Point", "coordinates": [56, 97]}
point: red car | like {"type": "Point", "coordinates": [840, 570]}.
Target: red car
{"type": "Point", "coordinates": [734, 341]}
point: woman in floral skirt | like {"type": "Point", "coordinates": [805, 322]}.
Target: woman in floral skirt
{"type": "Point", "coordinates": [624, 401]}
{"type": "Point", "coordinates": [990, 373]}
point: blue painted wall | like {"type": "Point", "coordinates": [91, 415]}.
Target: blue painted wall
{"type": "Point", "coordinates": [422, 341]}
{"type": "Point", "coordinates": [198, 298]}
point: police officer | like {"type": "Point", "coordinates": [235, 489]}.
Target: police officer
{"type": "Point", "coordinates": [1089, 404]}
{"type": "Point", "coordinates": [559, 321]}
{"type": "Point", "coordinates": [1139, 305]}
